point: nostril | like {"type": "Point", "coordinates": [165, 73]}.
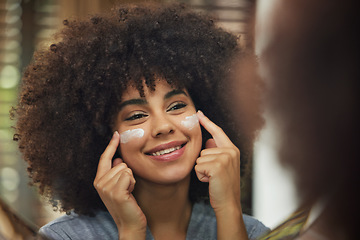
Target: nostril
{"type": "Point", "coordinates": [164, 132]}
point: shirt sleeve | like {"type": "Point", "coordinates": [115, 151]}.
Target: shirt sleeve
{"type": "Point", "coordinates": [254, 227]}
{"type": "Point", "coordinates": [46, 233]}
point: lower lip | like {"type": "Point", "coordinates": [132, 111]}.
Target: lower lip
{"type": "Point", "coordinates": [170, 157]}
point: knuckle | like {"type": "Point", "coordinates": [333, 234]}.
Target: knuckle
{"type": "Point", "coordinates": [102, 156]}
{"type": "Point", "coordinates": [225, 160]}
{"type": "Point", "coordinates": [197, 168]}
{"type": "Point", "coordinates": [234, 152]}
{"type": "Point", "coordinates": [201, 160]}
{"type": "Point", "coordinates": [96, 184]}
{"type": "Point", "coordinates": [218, 128]}
{"type": "Point", "coordinates": [237, 151]}
{"type": "Point", "coordinates": [125, 174]}
{"type": "Point", "coordinates": [203, 152]}
{"type": "Point", "coordinates": [123, 165]}
{"type": "Point", "coordinates": [128, 170]}
{"type": "Point", "coordinates": [227, 157]}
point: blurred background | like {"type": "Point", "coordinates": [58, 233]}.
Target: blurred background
{"type": "Point", "coordinates": [24, 26]}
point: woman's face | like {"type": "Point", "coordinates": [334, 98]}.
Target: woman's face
{"type": "Point", "coordinates": [160, 137]}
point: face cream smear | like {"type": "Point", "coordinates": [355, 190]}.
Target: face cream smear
{"type": "Point", "coordinates": [131, 134]}
{"type": "Point", "coordinates": [190, 122]}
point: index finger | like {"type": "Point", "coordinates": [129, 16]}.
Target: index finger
{"type": "Point", "coordinates": [105, 162]}
{"type": "Point", "coordinates": [219, 136]}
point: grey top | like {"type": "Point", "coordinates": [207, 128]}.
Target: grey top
{"type": "Point", "coordinates": [202, 226]}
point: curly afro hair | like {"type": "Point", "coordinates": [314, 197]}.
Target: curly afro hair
{"type": "Point", "coordinates": [71, 91]}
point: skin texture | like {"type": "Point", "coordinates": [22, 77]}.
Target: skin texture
{"type": "Point", "coordinates": [159, 115]}
{"type": "Point", "coordinates": [124, 184]}
{"type": "Point", "coordinates": [219, 164]}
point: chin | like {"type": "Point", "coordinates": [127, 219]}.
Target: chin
{"type": "Point", "coordinates": [173, 177]}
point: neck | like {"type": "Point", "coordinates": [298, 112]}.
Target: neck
{"type": "Point", "coordinates": [166, 206]}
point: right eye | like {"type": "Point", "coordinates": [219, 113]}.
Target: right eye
{"type": "Point", "coordinates": [176, 106]}
{"type": "Point", "coordinates": [136, 116]}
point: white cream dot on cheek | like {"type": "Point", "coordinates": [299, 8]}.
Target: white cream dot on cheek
{"type": "Point", "coordinates": [190, 122]}
{"type": "Point", "coordinates": [131, 134]}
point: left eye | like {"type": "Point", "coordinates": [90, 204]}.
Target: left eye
{"type": "Point", "coordinates": [176, 106]}
{"type": "Point", "coordinates": [136, 116]}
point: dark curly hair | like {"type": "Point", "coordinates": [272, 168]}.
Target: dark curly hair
{"type": "Point", "coordinates": [71, 91]}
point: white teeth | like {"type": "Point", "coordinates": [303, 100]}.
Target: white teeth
{"type": "Point", "coordinates": [166, 151]}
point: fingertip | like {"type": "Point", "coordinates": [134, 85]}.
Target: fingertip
{"type": "Point", "coordinates": [115, 137]}
{"type": "Point", "coordinates": [116, 134]}
{"type": "Point", "coordinates": [200, 114]}
{"type": "Point", "coordinates": [210, 143]}
{"type": "Point", "coordinates": [117, 161]}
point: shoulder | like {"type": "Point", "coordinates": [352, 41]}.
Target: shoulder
{"type": "Point", "coordinates": [74, 226]}
{"type": "Point", "coordinates": [254, 227]}
{"type": "Point", "coordinates": [202, 222]}
{"type": "Point", "coordinates": [204, 213]}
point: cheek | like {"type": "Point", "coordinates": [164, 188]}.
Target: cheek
{"type": "Point", "coordinates": [191, 127]}
{"type": "Point", "coordinates": [131, 135]}
{"type": "Point", "coordinates": [190, 122]}
{"type": "Point", "coordinates": [198, 137]}
{"type": "Point", "coordinates": [131, 141]}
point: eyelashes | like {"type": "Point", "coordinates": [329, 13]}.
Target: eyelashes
{"type": "Point", "coordinates": [136, 116]}
{"type": "Point", "coordinates": [174, 107]}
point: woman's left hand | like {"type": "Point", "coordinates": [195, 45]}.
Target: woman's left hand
{"type": "Point", "coordinates": [219, 165]}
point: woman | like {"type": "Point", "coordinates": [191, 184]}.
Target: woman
{"type": "Point", "coordinates": [138, 74]}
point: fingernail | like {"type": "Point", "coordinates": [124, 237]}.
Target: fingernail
{"type": "Point", "coordinates": [200, 113]}
{"type": "Point", "coordinates": [116, 133]}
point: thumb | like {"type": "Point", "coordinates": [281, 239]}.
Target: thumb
{"type": "Point", "coordinates": [210, 143]}
{"type": "Point", "coordinates": [116, 161]}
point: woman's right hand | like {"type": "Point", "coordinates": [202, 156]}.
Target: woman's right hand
{"type": "Point", "coordinates": [114, 183]}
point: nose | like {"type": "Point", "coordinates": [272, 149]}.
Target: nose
{"type": "Point", "coordinates": [161, 126]}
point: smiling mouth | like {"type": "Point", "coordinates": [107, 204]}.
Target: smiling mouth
{"type": "Point", "coordinates": [166, 151]}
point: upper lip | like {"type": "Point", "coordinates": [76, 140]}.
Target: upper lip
{"type": "Point", "coordinates": [166, 146]}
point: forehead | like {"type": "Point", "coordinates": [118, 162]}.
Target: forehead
{"type": "Point", "coordinates": [161, 89]}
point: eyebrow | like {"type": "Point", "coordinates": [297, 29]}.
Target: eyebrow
{"type": "Point", "coordinates": [142, 101]}
{"type": "Point", "coordinates": [174, 92]}
{"type": "Point", "coordinates": [135, 101]}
